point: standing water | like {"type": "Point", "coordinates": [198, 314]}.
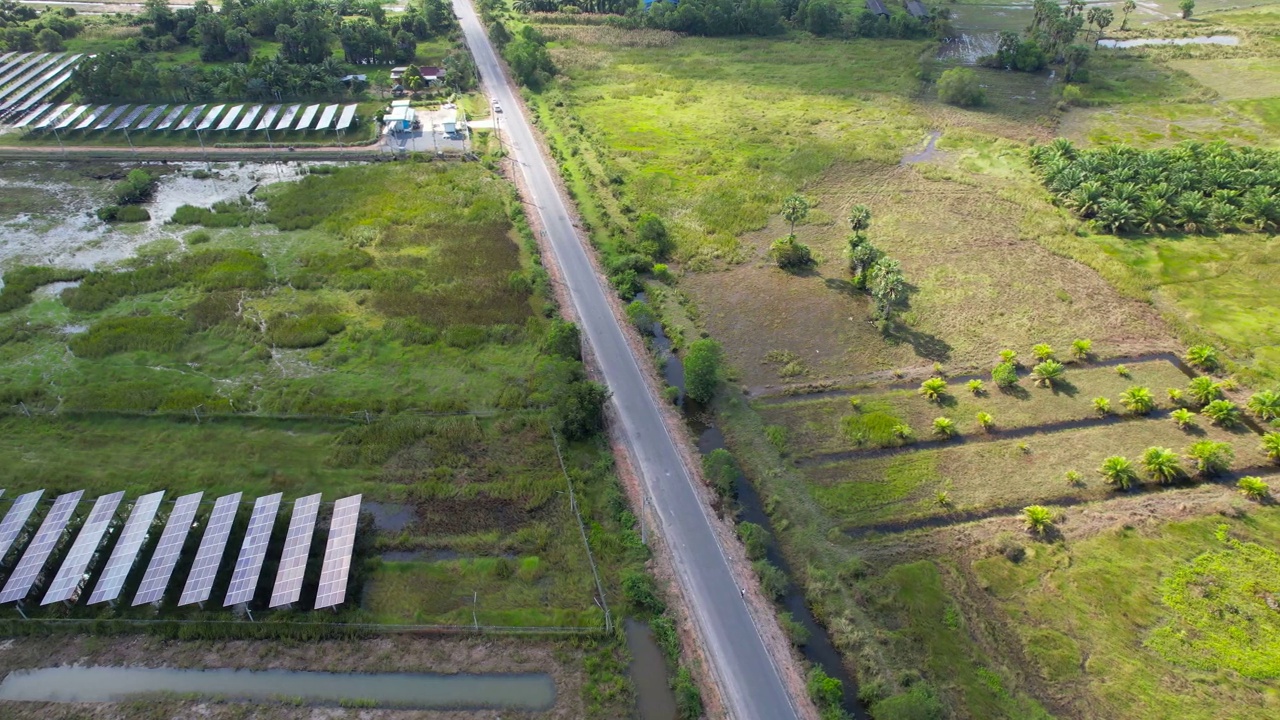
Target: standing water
{"type": "Point", "coordinates": [648, 670]}
{"type": "Point", "coordinates": [532, 692]}
{"type": "Point", "coordinates": [1203, 40]}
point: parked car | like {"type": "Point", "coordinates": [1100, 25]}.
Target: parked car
{"type": "Point", "coordinates": [496, 107]}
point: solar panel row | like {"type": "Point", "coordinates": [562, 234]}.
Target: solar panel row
{"type": "Point", "coordinates": [16, 519]}
{"type": "Point", "coordinates": [297, 546]}
{"type": "Point", "coordinates": [126, 549]}
{"type": "Point", "coordinates": [28, 568]}
{"type": "Point", "coordinates": [168, 549]}
{"type": "Point", "coordinates": [336, 568]}
{"type": "Point", "coordinates": [209, 556]}
{"type": "Point", "coordinates": [71, 574]}
{"type": "Point", "coordinates": [244, 579]}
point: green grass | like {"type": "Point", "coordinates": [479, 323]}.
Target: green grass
{"type": "Point", "coordinates": [833, 425]}
{"type": "Point", "coordinates": [999, 473]}
{"type": "Point", "coordinates": [1109, 599]}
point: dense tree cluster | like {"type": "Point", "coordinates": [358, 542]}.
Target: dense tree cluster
{"type": "Point", "coordinates": [124, 76]}
{"type": "Point", "coordinates": [1191, 187]}
{"type": "Point", "coordinates": [1052, 38]}
{"type": "Point", "coordinates": [22, 29]}
{"type": "Point", "coordinates": [526, 53]}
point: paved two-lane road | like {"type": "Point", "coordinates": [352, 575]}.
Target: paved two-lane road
{"type": "Point", "coordinates": [751, 684]}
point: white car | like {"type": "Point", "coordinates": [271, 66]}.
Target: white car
{"type": "Point", "coordinates": [496, 107]}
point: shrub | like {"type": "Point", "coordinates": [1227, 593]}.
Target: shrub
{"type": "Point", "coordinates": [1271, 445]}
{"type": "Point", "coordinates": [1118, 472]}
{"type": "Point", "coordinates": [1210, 458]}
{"type": "Point", "coordinates": [1161, 464]}
{"type": "Point", "coordinates": [1042, 352]}
{"type": "Point", "coordinates": [1203, 357]}
{"type": "Point", "coordinates": [1047, 373]}
{"type": "Point", "coordinates": [975, 386]}
{"type": "Point", "coordinates": [563, 340]}
{"type": "Point", "coordinates": [1082, 349]}
{"type": "Point", "coordinates": [152, 333]}
{"type": "Point", "coordinates": [1102, 405]}
{"type": "Point", "coordinates": [777, 437]}
{"type": "Point", "coordinates": [702, 370]}
{"type": "Point", "coordinates": [772, 580]}
{"type": "Point", "coordinates": [1123, 371]}
{"type": "Point", "coordinates": [1138, 400]}
{"type": "Point", "coordinates": [642, 316]}
{"type": "Point", "coordinates": [920, 702]}
{"type": "Point", "coordinates": [960, 86]}
{"type": "Point", "coordinates": [1009, 356]}
{"type": "Point", "coordinates": [934, 388]}
{"type": "Point", "coordinates": [825, 690]}
{"type": "Point", "coordinates": [627, 283]}
{"type": "Point", "coordinates": [131, 213]}
{"type": "Point", "coordinates": [1265, 404]}
{"type": "Point", "coordinates": [1184, 418]}
{"type": "Point", "coordinates": [1039, 519]}
{"type": "Point", "coordinates": [21, 282]}
{"type": "Point", "coordinates": [1222, 412]}
{"type": "Point", "coordinates": [137, 187]}
{"type": "Point", "coordinates": [579, 409]}
{"type": "Point", "coordinates": [1004, 375]}
{"type": "Point", "coordinates": [721, 471]}
{"type": "Point", "coordinates": [791, 254]}
{"type": "Point", "coordinates": [641, 592]}
{"type": "Point", "coordinates": [303, 331]}
{"type": "Point", "coordinates": [652, 236]}
{"type": "Point", "coordinates": [755, 538]}
{"type": "Point", "coordinates": [1254, 488]}
{"type": "Point", "coordinates": [985, 421]}
{"type": "Point", "coordinates": [944, 427]}
{"type": "Point", "coordinates": [688, 698]}
{"type": "Point", "coordinates": [1204, 390]}
{"type": "Point", "coordinates": [198, 237]}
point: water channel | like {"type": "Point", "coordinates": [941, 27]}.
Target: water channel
{"type": "Point", "coordinates": [528, 692]}
{"type": "Point", "coordinates": [1140, 42]}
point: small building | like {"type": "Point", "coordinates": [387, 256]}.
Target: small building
{"type": "Point", "coordinates": [400, 119]}
{"type": "Point", "coordinates": [449, 121]}
{"type": "Point", "coordinates": [916, 9]}
{"type": "Point", "coordinates": [876, 7]}
{"type": "Point", "coordinates": [431, 74]}
{"type": "Point", "coordinates": [397, 73]}
{"type": "Point", "coordinates": [348, 79]}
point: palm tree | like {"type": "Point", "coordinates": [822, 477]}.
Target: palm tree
{"type": "Point", "coordinates": [1118, 471]}
{"type": "Point", "coordinates": [1128, 7]}
{"type": "Point", "coordinates": [1204, 390]}
{"type": "Point", "coordinates": [1042, 351]}
{"type": "Point", "coordinates": [1086, 199]}
{"type": "Point", "coordinates": [1210, 458]}
{"type": "Point", "coordinates": [1009, 356]}
{"type": "Point", "coordinates": [934, 388]}
{"type": "Point", "coordinates": [1138, 400]}
{"type": "Point", "coordinates": [795, 209]}
{"type": "Point", "coordinates": [1254, 488]}
{"type": "Point", "coordinates": [1271, 445]}
{"type": "Point", "coordinates": [1081, 349]}
{"type": "Point", "coordinates": [944, 427]}
{"type": "Point", "coordinates": [1222, 412]}
{"type": "Point", "coordinates": [1047, 373]}
{"type": "Point", "coordinates": [1115, 216]}
{"type": "Point", "coordinates": [985, 421]}
{"type": "Point", "coordinates": [1161, 464]}
{"type": "Point", "coordinates": [1261, 209]}
{"type": "Point", "coordinates": [1102, 405]}
{"type": "Point", "coordinates": [1192, 213]}
{"type": "Point", "coordinates": [1184, 418]}
{"type": "Point", "coordinates": [975, 386]}
{"type": "Point", "coordinates": [1038, 518]}
{"type": "Point", "coordinates": [1152, 215]}
{"type": "Point", "coordinates": [859, 218]}
{"type": "Point", "coordinates": [1265, 404]}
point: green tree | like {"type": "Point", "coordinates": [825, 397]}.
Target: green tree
{"type": "Point", "coordinates": [1138, 400]}
{"type": "Point", "coordinates": [888, 287]}
{"type": "Point", "coordinates": [794, 210]}
{"type": "Point", "coordinates": [702, 370]}
{"type": "Point", "coordinates": [772, 580]}
{"type": "Point", "coordinates": [1004, 375]}
{"type": "Point", "coordinates": [755, 538]}
{"type": "Point", "coordinates": [1265, 404]}
{"type": "Point", "coordinates": [1203, 357]}
{"type": "Point", "coordinates": [1081, 349]}
{"type": "Point", "coordinates": [641, 592]}
{"type": "Point", "coordinates": [1128, 7]}
{"type": "Point", "coordinates": [563, 340]}
{"type": "Point", "coordinates": [1039, 519]}
{"type": "Point", "coordinates": [960, 86]}
{"type": "Point", "coordinates": [652, 236]}
{"type": "Point", "coordinates": [49, 40]}
{"type": "Point", "coordinates": [934, 388]}
{"type": "Point", "coordinates": [580, 409]}
{"type": "Point", "coordinates": [862, 255]}
{"type": "Point", "coordinates": [1118, 471]}
{"type": "Point", "coordinates": [721, 470]}
{"type": "Point", "coordinates": [1222, 412]}
{"type": "Point", "coordinates": [1161, 464]}
{"type": "Point", "coordinates": [1204, 390]}
{"type": "Point", "coordinates": [859, 218]}
{"type": "Point", "coordinates": [790, 254]}
{"type": "Point", "coordinates": [1187, 7]}
{"type": "Point", "coordinates": [1210, 458]}
{"type": "Point", "coordinates": [825, 690]}
{"type": "Point", "coordinates": [1047, 373]}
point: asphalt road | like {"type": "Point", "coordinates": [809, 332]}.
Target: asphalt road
{"type": "Point", "coordinates": [750, 682]}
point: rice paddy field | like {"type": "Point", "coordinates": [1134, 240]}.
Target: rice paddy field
{"type": "Point", "coordinates": [373, 329]}
{"type": "Point", "coordinates": [910, 546]}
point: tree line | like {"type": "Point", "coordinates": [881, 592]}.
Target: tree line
{"type": "Point", "coordinates": [22, 29]}
{"type": "Point", "coordinates": [1192, 187]}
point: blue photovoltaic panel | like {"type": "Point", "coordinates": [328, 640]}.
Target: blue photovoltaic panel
{"type": "Point", "coordinates": [106, 123]}
{"type": "Point", "coordinates": [207, 122]}
{"type": "Point", "coordinates": [244, 580]}
{"type": "Point", "coordinates": [92, 117]}
{"type": "Point", "coordinates": [337, 553]}
{"type": "Point", "coordinates": [126, 549]}
{"type": "Point", "coordinates": [16, 519]}
{"type": "Point", "coordinates": [24, 575]}
{"type": "Point", "coordinates": [128, 119]}
{"type": "Point", "coordinates": [297, 546]}
{"type": "Point", "coordinates": [151, 117]}
{"type": "Point", "coordinates": [205, 569]}
{"type": "Point", "coordinates": [171, 118]}
{"type": "Point", "coordinates": [71, 574]}
{"type": "Point", "coordinates": [191, 117]}
{"type": "Point", "coordinates": [75, 115]}
{"type": "Point", "coordinates": [156, 579]}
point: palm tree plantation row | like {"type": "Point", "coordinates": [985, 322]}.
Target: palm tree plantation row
{"type": "Point", "coordinates": [1000, 364]}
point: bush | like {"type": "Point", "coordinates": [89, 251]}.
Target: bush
{"type": "Point", "coordinates": [1004, 375]}
{"type": "Point", "coordinates": [652, 237]}
{"type": "Point", "coordinates": [1254, 488]}
{"type": "Point", "coordinates": [641, 592]}
{"type": "Point", "coordinates": [825, 690]}
{"type": "Point", "coordinates": [688, 698]}
{"type": "Point", "coordinates": [772, 580]}
{"type": "Point", "coordinates": [702, 370]}
{"type": "Point", "coordinates": [791, 254]}
{"type": "Point", "coordinates": [959, 86]}
{"type": "Point", "coordinates": [934, 389]}
{"type": "Point", "coordinates": [918, 703]}
{"type": "Point", "coordinates": [755, 538]}
{"type": "Point", "coordinates": [199, 237]}
{"type": "Point", "coordinates": [642, 316]}
{"type": "Point", "coordinates": [131, 213]}
{"type": "Point", "coordinates": [721, 471]}
{"type": "Point", "coordinates": [303, 331]}
{"type": "Point", "coordinates": [1210, 458]}
{"type": "Point", "coordinates": [153, 333]}
{"type": "Point", "coordinates": [21, 282]}
{"type": "Point", "coordinates": [137, 187]}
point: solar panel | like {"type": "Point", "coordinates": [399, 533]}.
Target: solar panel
{"type": "Point", "coordinates": [337, 553]}
{"type": "Point", "coordinates": [230, 117]}
{"type": "Point", "coordinates": [286, 118]}
{"type": "Point", "coordinates": [128, 120]}
{"type": "Point", "coordinates": [111, 117]}
{"type": "Point", "coordinates": [71, 574]}
{"type": "Point", "coordinates": [16, 519]}
{"type": "Point", "coordinates": [326, 117]}
{"type": "Point", "coordinates": [267, 117]}
{"type": "Point", "coordinates": [34, 114]}
{"type": "Point", "coordinates": [208, 119]}
{"type": "Point", "coordinates": [190, 119]}
{"type": "Point", "coordinates": [244, 580]}
{"type": "Point", "coordinates": [52, 117]}
{"type": "Point", "coordinates": [168, 549]}
{"type": "Point", "coordinates": [200, 581]}
{"type": "Point", "coordinates": [297, 546]}
{"type": "Point", "coordinates": [21, 83]}
{"type": "Point", "coordinates": [307, 116]}
{"type": "Point", "coordinates": [348, 116]}
{"type": "Point", "coordinates": [249, 115]}
{"type": "Point", "coordinates": [92, 117]}
{"type": "Point", "coordinates": [24, 575]}
{"type": "Point", "coordinates": [127, 547]}
{"type": "Point", "coordinates": [171, 118]}
{"type": "Point", "coordinates": [151, 117]}
{"type": "Point", "coordinates": [21, 68]}
{"type": "Point", "coordinates": [75, 115]}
